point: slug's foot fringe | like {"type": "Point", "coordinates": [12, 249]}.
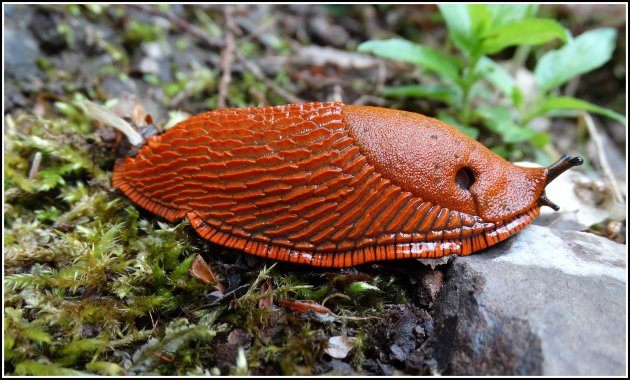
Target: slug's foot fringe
{"type": "Point", "coordinates": [348, 258]}
{"type": "Point", "coordinates": [118, 181]}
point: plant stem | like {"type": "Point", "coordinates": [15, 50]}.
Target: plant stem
{"type": "Point", "coordinates": [534, 110]}
{"type": "Point", "coordinates": [468, 82]}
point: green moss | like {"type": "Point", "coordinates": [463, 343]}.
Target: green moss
{"type": "Point", "coordinates": [138, 32]}
{"type": "Point", "coordinates": [95, 285]}
{"type": "Point", "coordinates": [80, 262]}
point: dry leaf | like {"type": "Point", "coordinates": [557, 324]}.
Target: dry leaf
{"type": "Point", "coordinates": [203, 273]}
{"type": "Point", "coordinates": [303, 306]}
{"type": "Point", "coordinates": [267, 302]}
{"type": "Point", "coordinates": [339, 346]}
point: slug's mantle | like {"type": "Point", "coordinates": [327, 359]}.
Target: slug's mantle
{"type": "Point", "coordinates": [333, 185]}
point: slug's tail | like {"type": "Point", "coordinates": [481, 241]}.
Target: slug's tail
{"type": "Point", "coordinates": [553, 171]}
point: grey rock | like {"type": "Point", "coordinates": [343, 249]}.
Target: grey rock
{"type": "Point", "coordinates": [433, 263]}
{"type": "Point", "coordinates": [377, 368]}
{"type": "Point", "coordinates": [337, 367]}
{"type": "Point", "coordinates": [13, 98]}
{"type": "Point", "coordinates": [543, 302]}
{"type": "Point", "coordinates": [328, 31]}
{"type": "Point", "coordinates": [22, 52]}
{"type": "Point", "coordinates": [398, 352]}
{"type": "Point", "coordinates": [44, 26]}
{"type": "Point", "coordinates": [401, 334]}
{"type": "Point", "coordinates": [154, 58]}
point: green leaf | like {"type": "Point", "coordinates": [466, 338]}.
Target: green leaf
{"type": "Point", "coordinates": [182, 269]}
{"type": "Point", "coordinates": [71, 352]}
{"type": "Point", "coordinates": [480, 19]}
{"type": "Point", "coordinates": [22, 181]}
{"type": "Point", "coordinates": [106, 368]}
{"type": "Point", "coordinates": [50, 214]}
{"type": "Point", "coordinates": [510, 132]}
{"type": "Point", "coordinates": [500, 78]}
{"type": "Point", "coordinates": [502, 14]}
{"type": "Point", "coordinates": [406, 51]}
{"type": "Point", "coordinates": [34, 368]}
{"type": "Point", "coordinates": [357, 288]}
{"type": "Point", "coordinates": [159, 278]}
{"type": "Point", "coordinates": [498, 120]}
{"type": "Point", "coordinates": [450, 120]}
{"type": "Point", "coordinates": [501, 150]}
{"type": "Point", "coordinates": [459, 25]}
{"type": "Point", "coordinates": [446, 94]}
{"type": "Point", "coordinates": [466, 24]}
{"type": "Point", "coordinates": [540, 139]}
{"type": "Point", "coordinates": [531, 31]}
{"type": "Point", "coordinates": [567, 102]}
{"type": "Point", "coordinates": [587, 52]}
{"type": "Point", "coordinates": [494, 115]}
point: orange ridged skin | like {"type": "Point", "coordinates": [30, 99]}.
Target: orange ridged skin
{"type": "Point", "coordinates": [331, 185]}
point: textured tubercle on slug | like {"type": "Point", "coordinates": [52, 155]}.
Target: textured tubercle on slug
{"type": "Point", "coordinates": [332, 185]}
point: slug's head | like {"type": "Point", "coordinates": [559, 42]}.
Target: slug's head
{"type": "Point", "coordinates": [439, 164]}
{"type": "Point", "coordinates": [499, 190]}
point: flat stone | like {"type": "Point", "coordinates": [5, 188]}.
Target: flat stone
{"type": "Point", "coordinates": [543, 302]}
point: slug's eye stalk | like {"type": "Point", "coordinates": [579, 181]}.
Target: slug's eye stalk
{"type": "Point", "coordinates": [544, 201]}
{"type": "Point", "coordinates": [553, 171]}
{"type": "Point", "coordinates": [464, 178]}
{"type": "Point", "coordinates": [564, 163]}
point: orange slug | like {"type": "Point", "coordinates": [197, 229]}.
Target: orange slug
{"type": "Point", "coordinates": [334, 185]}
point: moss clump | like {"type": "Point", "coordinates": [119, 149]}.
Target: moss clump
{"type": "Point", "coordinates": [96, 286]}
{"type": "Point", "coordinates": [84, 271]}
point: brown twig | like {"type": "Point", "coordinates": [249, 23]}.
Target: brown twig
{"type": "Point", "coordinates": [259, 30]}
{"type": "Point", "coordinates": [226, 57]}
{"type": "Point", "coordinates": [607, 172]}
{"type": "Point", "coordinates": [214, 42]}
{"type": "Point", "coordinates": [37, 160]}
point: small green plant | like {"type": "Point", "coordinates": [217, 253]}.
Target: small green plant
{"type": "Point", "coordinates": [469, 82]}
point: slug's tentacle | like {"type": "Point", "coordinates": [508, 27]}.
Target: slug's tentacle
{"type": "Point", "coordinates": [562, 165]}
{"type": "Point", "coordinates": [553, 171]}
{"type": "Point", "coordinates": [544, 201]}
